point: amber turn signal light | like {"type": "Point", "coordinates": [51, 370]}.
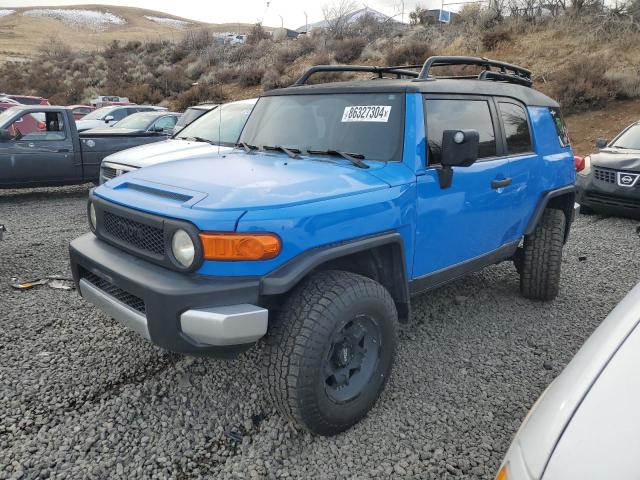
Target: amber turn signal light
{"type": "Point", "coordinates": [240, 246]}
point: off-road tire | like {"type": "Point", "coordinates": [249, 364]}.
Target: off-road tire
{"type": "Point", "coordinates": [542, 257]}
{"type": "Point", "coordinates": [302, 337]}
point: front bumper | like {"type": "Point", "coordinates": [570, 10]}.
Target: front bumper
{"type": "Point", "coordinates": [608, 197]}
{"type": "Point", "coordinates": [181, 312]}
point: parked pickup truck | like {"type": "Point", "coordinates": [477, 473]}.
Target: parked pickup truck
{"type": "Point", "coordinates": [40, 146]}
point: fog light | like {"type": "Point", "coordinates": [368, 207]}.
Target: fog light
{"type": "Point", "coordinates": [183, 248]}
{"type": "Point", "coordinates": [92, 216]}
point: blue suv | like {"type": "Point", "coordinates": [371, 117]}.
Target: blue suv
{"type": "Point", "coordinates": [340, 202]}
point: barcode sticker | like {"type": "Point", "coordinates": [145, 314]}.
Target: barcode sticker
{"type": "Point", "coordinates": [367, 113]}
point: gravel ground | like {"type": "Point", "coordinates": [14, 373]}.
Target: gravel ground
{"type": "Point", "coordinates": [81, 397]}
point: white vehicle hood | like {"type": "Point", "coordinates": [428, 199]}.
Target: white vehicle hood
{"type": "Point", "coordinates": [167, 151]}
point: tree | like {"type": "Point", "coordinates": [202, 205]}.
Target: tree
{"type": "Point", "coordinates": [336, 17]}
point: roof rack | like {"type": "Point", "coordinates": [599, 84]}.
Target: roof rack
{"type": "Point", "coordinates": [398, 71]}
{"type": "Point", "coordinates": [505, 72]}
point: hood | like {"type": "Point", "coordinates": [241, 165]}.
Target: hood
{"type": "Point", "coordinates": [617, 158]}
{"type": "Point", "coordinates": [115, 131]}
{"type": "Point", "coordinates": [240, 181]}
{"type": "Point", "coordinates": [82, 125]}
{"type": "Point", "coordinates": [166, 151]}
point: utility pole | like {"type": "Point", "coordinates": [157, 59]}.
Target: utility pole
{"type": "Point", "coordinates": [281, 21]}
{"type": "Point", "coordinates": [306, 23]}
{"type": "Point", "coordinates": [402, 16]}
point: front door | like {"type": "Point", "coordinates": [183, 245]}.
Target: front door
{"type": "Point", "coordinates": [40, 151]}
{"type": "Point", "coordinates": [472, 219]}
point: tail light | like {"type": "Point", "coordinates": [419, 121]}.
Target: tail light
{"type": "Point", "coordinates": [579, 163]}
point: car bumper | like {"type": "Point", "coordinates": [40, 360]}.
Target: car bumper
{"type": "Point", "coordinates": [187, 313]}
{"type": "Point", "coordinates": [607, 197]}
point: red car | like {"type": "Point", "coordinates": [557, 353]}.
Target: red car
{"type": "Point", "coordinates": [80, 111]}
{"type": "Point", "coordinates": [28, 99]}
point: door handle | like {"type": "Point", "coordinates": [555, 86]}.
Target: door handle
{"type": "Point", "coordinates": [63, 150]}
{"type": "Point", "coordinates": [500, 183]}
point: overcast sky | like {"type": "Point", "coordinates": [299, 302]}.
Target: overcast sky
{"type": "Point", "coordinates": [246, 11]}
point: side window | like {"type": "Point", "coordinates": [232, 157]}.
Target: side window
{"type": "Point", "coordinates": [165, 123]}
{"type": "Point", "coordinates": [35, 126]}
{"type": "Point", "coordinates": [458, 114]}
{"type": "Point", "coordinates": [561, 127]}
{"type": "Point", "coordinates": [516, 128]}
{"type": "Point", "coordinates": [118, 114]}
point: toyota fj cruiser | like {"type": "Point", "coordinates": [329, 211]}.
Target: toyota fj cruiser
{"type": "Point", "coordinates": [340, 202]}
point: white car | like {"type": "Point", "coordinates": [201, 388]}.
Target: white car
{"type": "Point", "coordinates": [108, 116]}
{"type": "Point", "coordinates": [215, 132]}
{"type": "Point", "coordinates": [586, 425]}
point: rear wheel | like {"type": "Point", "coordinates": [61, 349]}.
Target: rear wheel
{"type": "Point", "coordinates": [330, 352]}
{"type": "Point", "coordinates": [541, 257]}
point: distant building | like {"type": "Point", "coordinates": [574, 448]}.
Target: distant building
{"type": "Point", "coordinates": [284, 34]}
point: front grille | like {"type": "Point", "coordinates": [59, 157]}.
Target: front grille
{"type": "Point", "coordinates": [116, 292]}
{"type": "Point", "coordinates": [612, 200]}
{"type": "Point", "coordinates": [134, 234]}
{"type": "Point", "coordinates": [604, 175]}
{"type": "Point", "coordinates": [108, 172]}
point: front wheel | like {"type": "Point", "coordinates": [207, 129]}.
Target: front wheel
{"type": "Point", "coordinates": [329, 354]}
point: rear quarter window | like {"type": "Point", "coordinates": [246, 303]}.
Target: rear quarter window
{"type": "Point", "coordinates": [561, 127]}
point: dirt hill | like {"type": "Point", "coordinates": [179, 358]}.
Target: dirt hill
{"type": "Point", "coordinates": [23, 31]}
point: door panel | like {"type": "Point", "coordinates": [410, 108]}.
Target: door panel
{"type": "Point", "coordinates": [473, 217]}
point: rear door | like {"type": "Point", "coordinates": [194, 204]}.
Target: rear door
{"type": "Point", "coordinates": [40, 152]}
{"type": "Point", "coordinates": [468, 223]}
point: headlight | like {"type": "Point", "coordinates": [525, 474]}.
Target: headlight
{"type": "Point", "coordinates": [183, 248]}
{"type": "Point", "coordinates": [92, 216]}
{"type": "Point", "coordinates": [587, 166]}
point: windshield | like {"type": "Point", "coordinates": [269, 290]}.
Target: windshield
{"type": "Point", "coordinates": [189, 116]}
{"type": "Point", "coordinates": [630, 138]}
{"type": "Point", "coordinates": [137, 121]}
{"type": "Point", "coordinates": [6, 115]}
{"type": "Point", "coordinates": [367, 124]}
{"type": "Point", "coordinates": [99, 114]}
{"type": "Point", "coordinates": [220, 126]}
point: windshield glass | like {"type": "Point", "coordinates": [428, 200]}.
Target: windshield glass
{"type": "Point", "coordinates": [137, 121]}
{"type": "Point", "coordinates": [98, 114]}
{"type": "Point", "coordinates": [368, 124]}
{"type": "Point", "coordinates": [189, 116]}
{"type": "Point", "coordinates": [220, 126]}
{"type": "Point", "coordinates": [5, 116]}
{"type": "Point", "coordinates": [630, 138]}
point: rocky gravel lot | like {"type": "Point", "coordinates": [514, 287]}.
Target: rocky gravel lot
{"type": "Point", "coordinates": [81, 397]}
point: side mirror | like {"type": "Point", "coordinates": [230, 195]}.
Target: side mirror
{"type": "Point", "coordinates": [5, 135]}
{"type": "Point", "coordinates": [459, 149]}
{"type": "Point", "coordinates": [108, 118]}
{"type": "Point", "coordinates": [601, 142]}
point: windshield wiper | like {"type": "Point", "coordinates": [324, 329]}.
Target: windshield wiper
{"type": "Point", "coordinates": [199, 139]}
{"type": "Point", "coordinates": [354, 158]}
{"type": "Point", "coordinates": [247, 148]}
{"type": "Point", "coordinates": [292, 152]}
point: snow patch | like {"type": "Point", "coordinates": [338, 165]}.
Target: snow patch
{"type": "Point", "coordinates": [4, 12]}
{"type": "Point", "coordinates": [93, 19]}
{"type": "Point", "coordinates": [171, 22]}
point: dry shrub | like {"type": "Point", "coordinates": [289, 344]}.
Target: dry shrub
{"type": "Point", "coordinates": [251, 75]}
{"type": "Point", "coordinates": [242, 53]}
{"type": "Point", "coordinates": [412, 52]}
{"type": "Point", "coordinates": [199, 94]}
{"type": "Point", "coordinates": [582, 83]}
{"type": "Point", "coordinates": [346, 51]}
{"type": "Point", "coordinates": [491, 39]}
{"type": "Point", "coordinates": [625, 83]}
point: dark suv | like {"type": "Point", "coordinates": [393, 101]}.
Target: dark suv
{"type": "Point", "coordinates": [609, 181]}
{"type": "Point", "coordinates": [340, 202]}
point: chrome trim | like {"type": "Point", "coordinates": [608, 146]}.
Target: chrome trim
{"type": "Point", "coordinates": [230, 325]}
{"type": "Point", "coordinates": [115, 309]}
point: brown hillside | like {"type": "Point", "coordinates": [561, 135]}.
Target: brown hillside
{"type": "Point", "coordinates": [21, 36]}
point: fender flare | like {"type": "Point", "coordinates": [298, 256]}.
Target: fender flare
{"type": "Point", "coordinates": [284, 278]}
{"type": "Point", "coordinates": [546, 199]}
